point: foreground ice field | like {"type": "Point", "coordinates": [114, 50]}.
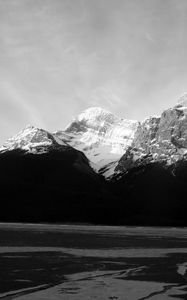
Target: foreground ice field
{"type": "Point", "coordinates": [43, 262]}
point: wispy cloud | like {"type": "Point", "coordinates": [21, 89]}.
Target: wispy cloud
{"type": "Point", "coordinates": [15, 99]}
{"type": "Point", "coordinates": [150, 38]}
{"type": "Point", "coordinates": [107, 96]}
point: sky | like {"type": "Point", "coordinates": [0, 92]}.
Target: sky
{"type": "Point", "coordinates": [59, 57]}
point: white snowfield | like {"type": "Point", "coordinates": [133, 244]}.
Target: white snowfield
{"type": "Point", "coordinates": [102, 136]}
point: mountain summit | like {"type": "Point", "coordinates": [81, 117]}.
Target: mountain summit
{"type": "Point", "coordinates": [93, 117]}
{"type": "Point", "coordinates": [33, 139]}
{"type": "Point", "coordinates": [101, 135]}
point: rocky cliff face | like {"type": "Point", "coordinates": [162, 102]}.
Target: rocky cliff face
{"type": "Point", "coordinates": [146, 133]}
{"type": "Point", "coordinates": [158, 139]}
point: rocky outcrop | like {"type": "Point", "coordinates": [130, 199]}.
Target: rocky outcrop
{"type": "Point", "coordinates": [158, 139]}
{"type": "Point", "coordinates": [146, 133]}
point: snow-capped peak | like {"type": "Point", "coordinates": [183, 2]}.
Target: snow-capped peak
{"type": "Point", "coordinates": [30, 139]}
{"type": "Point", "coordinates": [101, 135]}
{"type": "Point", "coordinates": [93, 114]}
{"type": "Point", "coordinates": [93, 117]}
{"type": "Point", "coordinates": [96, 118]}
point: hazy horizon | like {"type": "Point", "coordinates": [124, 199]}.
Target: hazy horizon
{"type": "Point", "coordinates": [59, 57]}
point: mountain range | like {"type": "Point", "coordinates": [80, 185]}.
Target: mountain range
{"type": "Point", "coordinates": [100, 169]}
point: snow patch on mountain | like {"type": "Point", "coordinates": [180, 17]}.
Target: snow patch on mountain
{"type": "Point", "coordinates": [32, 139]}
{"type": "Point", "coordinates": [101, 135]}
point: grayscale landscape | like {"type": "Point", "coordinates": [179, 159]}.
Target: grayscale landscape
{"type": "Point", "coordinates": [43, 262]}
{"type": "Point", "coordinates": [93, 149]}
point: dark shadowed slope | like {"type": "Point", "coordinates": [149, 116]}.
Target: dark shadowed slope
{"type": "Point", "coordinates": [58, 186]}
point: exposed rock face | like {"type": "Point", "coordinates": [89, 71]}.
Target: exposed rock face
{"type": "Point", "coordinates": [173, 126]}
{"type": "Point", "coordinates": [132, 158]}
{"type": "Point", "coordinates": [102, 136]}
{"type": "Point", "coordinates": [146, 133]}
{"type": "Point", "coordinates": [158, 139]}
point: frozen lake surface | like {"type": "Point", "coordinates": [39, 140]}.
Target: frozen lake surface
{"type": "Point", "coordinates": [71, 262]}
